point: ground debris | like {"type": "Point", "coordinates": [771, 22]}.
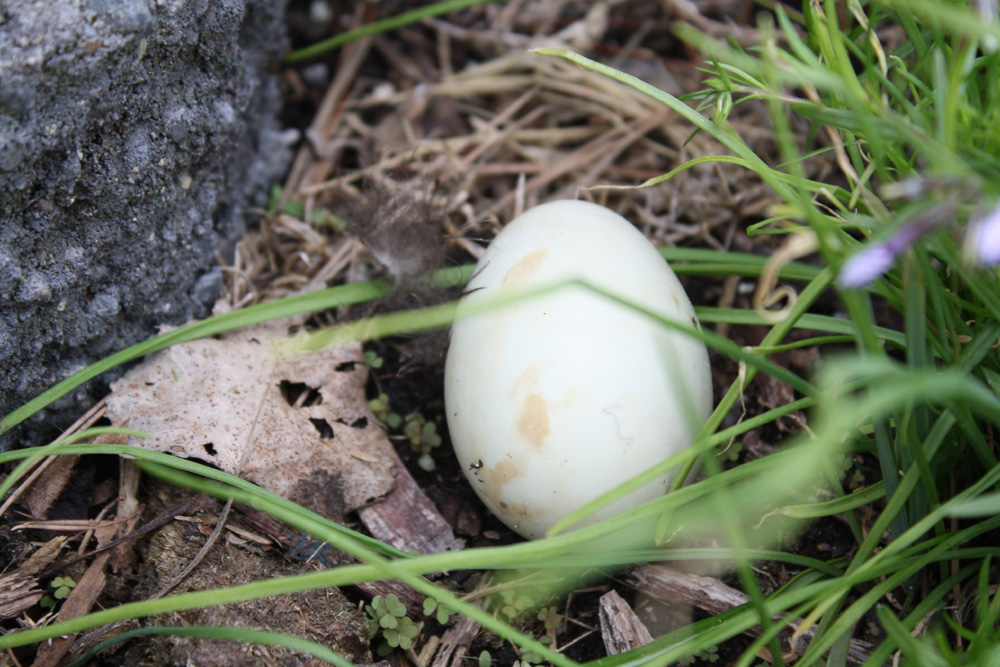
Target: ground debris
{"type": "Point", "coordinates": [294, 426]}
{"type": "Point", "coordinates": [620, 626]}
{"type": "Point", "coordinates": [408, 520]}
{"type": "Point", "coordinates": [670, 585]}
{"type": "Point", "coordinates": [323, 615]}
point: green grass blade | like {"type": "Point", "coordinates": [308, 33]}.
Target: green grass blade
{"type": "Point", "coordinates": [243, 635]}
{"type": "Point", "coordinates": [387, 24]}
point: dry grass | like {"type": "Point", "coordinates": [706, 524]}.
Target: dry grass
{"type": "Point", "coordinates": [478, 142]}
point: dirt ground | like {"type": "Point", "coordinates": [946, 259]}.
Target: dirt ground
{"type": "Point", "coordinates": [418, 146]}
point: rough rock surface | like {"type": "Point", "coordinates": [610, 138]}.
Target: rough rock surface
{"type": "Point", "coordinates": [133, 136]}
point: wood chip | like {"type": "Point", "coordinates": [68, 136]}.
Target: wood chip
{"type": "Point", "coordinates": [679, 588]}
{"type": "Point", "coordinates": [621, 628]}
{"type": "Point", "coordinates": [455, 642]}
{"type": "Point", "coordinates": [672, 586]}
{"type": "Point", "coordinates": [45, 555]}
{"type": "Point", "coordinates": [79, 602]}
{"type": "Point", "coordinates": [408, 520]}
{"type": "Point", "coordinates": [124, 556]}
{"type": "Point", "coordinates": [18, 592]}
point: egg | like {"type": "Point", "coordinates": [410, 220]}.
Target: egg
{"type": "Point", "coordinates": [559, 398]}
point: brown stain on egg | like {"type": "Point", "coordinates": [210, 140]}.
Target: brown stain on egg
{"type": "Point", "coordinates": [534, 421]}
{"type": "Point", "coordinates": [525, 382]}
{"type": "Point", "coordinates": [526, 266]}
{"type": "Point", "coordinates": [494, 478]}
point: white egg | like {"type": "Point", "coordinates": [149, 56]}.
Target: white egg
{"type": "Point", "coordinates": [558, 399]}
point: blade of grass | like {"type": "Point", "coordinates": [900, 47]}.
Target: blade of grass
{"type": "Point", "coordinates": [244, 635]}
{"type": "Point", "coordinates": [387, 24]}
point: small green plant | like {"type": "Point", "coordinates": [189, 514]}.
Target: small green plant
{"type": "Point", "coordinates": [319, 217]}
{"type": "Point", "coordinates": [388, 616]}
{"type": "Point", "coordinates": [711, 654]}
{"type": "Point", "coordinates": [512, 604]}
{"type": "Point", "coordinates": [732, 452]}
{"type": "Point", "coordinates": [549, 617]}
{"type": "Point", "coordinates": [373, 361]}
{"type": "Point", "coordinates": [850, 473]}
{"type": "Point", "coordinates": [436, 611]}
{"type": "Point", "coordinates": [59, 589]}
{"type": "Point", "coordinates": [485, 659]}
{"type": "Point", "coordinates": [423, 438]}
{"type": "Point", "coordinates": [530, 658]}
{"type": "Point", "coordinates": [380, 408]}
{"type": "Point", "coordinates": [423, 435]}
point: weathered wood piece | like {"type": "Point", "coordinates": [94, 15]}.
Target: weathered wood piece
{"type": "Point", "coordinates": [408, 520]}
{"type": "Point", "coordinates": [675, 587]}
{"type": "Point", "coordinates": [80, 601]}
{"type": "Point", "coordinates": [456, 641]}
{"type": "Point", "coordinates": [621, 628]}
{"type": "Point", "coordinates": [19, 590]}
{"type": "Point", "coordinates": [672, 586]}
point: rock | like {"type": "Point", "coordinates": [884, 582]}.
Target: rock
{"type": "Point", "coordinates": [133, 133]}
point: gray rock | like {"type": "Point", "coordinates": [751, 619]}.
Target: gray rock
{"type": "Point", "coordinates": [133, 133]}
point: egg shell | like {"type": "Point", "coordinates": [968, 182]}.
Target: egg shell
{"type": "Point", "coordinates": [558, 399]}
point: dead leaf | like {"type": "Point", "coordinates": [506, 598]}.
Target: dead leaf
{"type": "Point", "coordinates": [45, 491]}
{"type": "Point", "coordinates": [293, 426]}
{"type": "Point", "coordinates": [45, 555]}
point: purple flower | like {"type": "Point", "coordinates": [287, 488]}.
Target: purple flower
{"type": "Point", "coordinates": [866, 266]}
{"type": "Point", "coordinates": [982, 242]}
{"type": "Point", "coordinates": [879, 256]}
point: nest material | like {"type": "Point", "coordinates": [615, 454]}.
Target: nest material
{"type": "Point", "coordinates": [428, 162]}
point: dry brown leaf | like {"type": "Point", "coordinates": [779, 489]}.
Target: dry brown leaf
{"type": "Point", "coordinates": [45, 491]}
{"type": "Point", "coordinates": [45, 555]}
{"type": "Point", "coordinates": [226, 401]}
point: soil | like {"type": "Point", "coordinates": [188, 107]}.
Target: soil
{"type": "Point", "coordinates": [410, 205]}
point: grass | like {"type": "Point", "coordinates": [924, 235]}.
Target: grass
{"type": "Point", "coordinates": [914, 128]}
